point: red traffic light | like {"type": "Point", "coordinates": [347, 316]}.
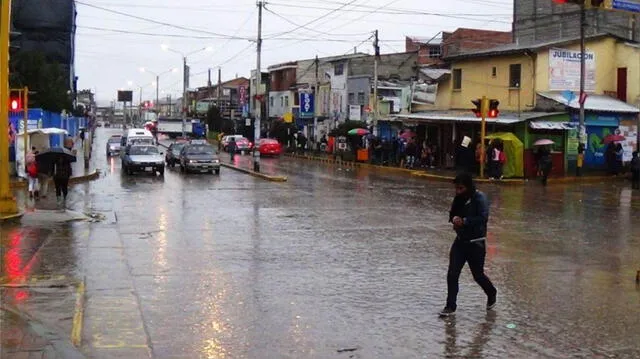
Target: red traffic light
{"type": "Point", "coordinates": [15, 103]}
{"type": "Point", "coordinates": [493, 108]}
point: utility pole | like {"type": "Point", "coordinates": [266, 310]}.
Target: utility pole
{"type": "Point", "coordinates": [140, 105]}
{"type": "Point", "coordinates": [8, 204]}
{"type": "Point", "coordinates": [316, 92]}
{"type": "Point", "coordinates": [219, 94]}
{"type": "Point", "coordinates": [583, 70]}
{"type": "Point", "coordinates": [376, 47]}
{"type": "Point", "coordinates": [158, 94]}
{"type": "Point", "coordinates": [185, 71]}
{"type": "Point", "coordinates": [258, 109]}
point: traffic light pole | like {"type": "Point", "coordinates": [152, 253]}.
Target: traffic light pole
{"type": "Point", "coordinates": [484, 106]}
{"type": "Point", "coordinates": [8, 206]}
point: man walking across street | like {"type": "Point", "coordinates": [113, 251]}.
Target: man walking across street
{"type": "Point", "coordinates": [469, 215]}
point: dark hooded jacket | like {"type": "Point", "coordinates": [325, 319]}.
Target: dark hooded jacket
{"type": "Point", "coordinates": [474, 211]}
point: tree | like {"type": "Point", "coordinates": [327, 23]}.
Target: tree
{"type": "Point", "coordinates": [46, 80]}
{"type": "Point", "coordinates": [214, 119]}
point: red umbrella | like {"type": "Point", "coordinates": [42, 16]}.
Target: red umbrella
{"type": "Point", "coordinates": [613, 138]}
{"type": "Point", "coordinates": [407, 135]}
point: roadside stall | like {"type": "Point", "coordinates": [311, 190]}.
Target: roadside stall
{"type": "Point", "coordinates": [514, 150]}
{"type": "Point", "coordinates": [40, 138]}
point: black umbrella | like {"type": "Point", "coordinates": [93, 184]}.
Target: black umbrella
{"type": "Point", "coordinates": [48, 157]}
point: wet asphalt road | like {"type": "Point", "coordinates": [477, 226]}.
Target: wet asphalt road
{"type": "Point", "coordinates": [202, 266]}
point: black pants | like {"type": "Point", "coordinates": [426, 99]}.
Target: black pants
{"type": "Point", "coordinates": [635, 179]}
{"type": "Point", "coordinates": [473, 253]}
{"type": "Point", "coordinates": [62, 186]}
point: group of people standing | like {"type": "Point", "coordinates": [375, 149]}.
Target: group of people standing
{"type": "Point", "coordinates": [468, 161]}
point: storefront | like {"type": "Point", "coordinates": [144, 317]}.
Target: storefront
{"type": "Point", "coordinates": [446, 129]}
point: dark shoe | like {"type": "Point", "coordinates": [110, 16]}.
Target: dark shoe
{"type": "Point", "coordinates": [491, 302]}
{"type": "Point", "coordinates": [447, 312]}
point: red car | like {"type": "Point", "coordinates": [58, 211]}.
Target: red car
{"type": "Point", "coordinates": [269, 147]}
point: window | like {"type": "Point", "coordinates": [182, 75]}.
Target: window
{"type": "Point", "coordinates": [457, 79]}
{"type": "Point", "coordinates": [514, 75]}
{"type": "Point", "coordinates": [435, 52]}
{"type": "Point", "coordinates": [339, 69]}
{"type": "Point", "coordinates": [286, 101]}
{"type": "Point", "coordinates": [281, 101]}
{"type": "Point", "coordinates": [270, 101]}
{"type": "Point", "coordinates": [361, 98]}
{"type": "Point", "coordinates": [352, 98]}
{"type": "Point", "coordinates": [494, 71]}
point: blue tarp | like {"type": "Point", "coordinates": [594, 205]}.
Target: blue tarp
{"type": "Point", "coordinates": [39, 118]}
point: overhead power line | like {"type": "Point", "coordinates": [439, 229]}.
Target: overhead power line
{"type": "Point", "coordinates": [180, 27]}
{"type": "Point", "coordinates": [313, 21]}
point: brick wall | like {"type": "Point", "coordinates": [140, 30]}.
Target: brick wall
{"type": "Point", "coordinates": [283, 80]}
{"type": "Point", "coordinates": [465, 40]}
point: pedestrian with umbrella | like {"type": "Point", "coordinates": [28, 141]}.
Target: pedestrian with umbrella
{"type": "Point", "coordinates": [59, 161]}
{"type": "Point", "coordinates": [543, 159]}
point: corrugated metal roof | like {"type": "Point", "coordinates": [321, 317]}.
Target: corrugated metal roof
{"type": "Point", "coordinates": [551, 125]}
{"type": "Point", "coordinates": [435, 74]}
{"type": "Point", "coordinates": [468, 116]}
{"type": "Point", "coordinates": [600, 103]}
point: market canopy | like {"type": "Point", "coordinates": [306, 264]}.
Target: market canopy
{"type": "Point", "coordinates": [514, 150]}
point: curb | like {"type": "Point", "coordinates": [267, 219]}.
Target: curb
{"type": "Point", "coordinates": [11, 217]}
{"type": "Point", "coordinates": [256, 174]}
{"type": "Point", "coordinates": [73, 180]}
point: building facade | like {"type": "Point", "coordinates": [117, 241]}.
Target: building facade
{"type": "Point", "coordinates": [48, 27]}
{"type": "Point", "coordinates": [536, 21]}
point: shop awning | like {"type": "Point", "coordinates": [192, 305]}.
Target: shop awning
{"type": "Point", "coordinates": [551, 125]}
{"type": "Point", "coordinates": [598, 103]}
{"type": "Point", "coordinates": [505, 118]}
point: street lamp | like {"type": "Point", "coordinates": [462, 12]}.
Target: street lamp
{"type": "Point", "coordinates": [156, 83]}
{"type": "Point", "coordinates": [185, 78]}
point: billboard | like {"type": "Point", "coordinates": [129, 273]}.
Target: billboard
{"type": "Point", "coordinates": [125, 96]}
{"type": "Point", "coordinates": [564, 70]}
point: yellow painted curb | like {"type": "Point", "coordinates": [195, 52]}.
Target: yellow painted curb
{"type": "Point", "coordinates": [256, 174]}
{"type": "Point", "coordinates": [11, 217]}
{"type": "Point", "coordinates": [78, 316]}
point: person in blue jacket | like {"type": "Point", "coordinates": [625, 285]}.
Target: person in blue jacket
{"type": "Point", "coordinates": [469, 215]}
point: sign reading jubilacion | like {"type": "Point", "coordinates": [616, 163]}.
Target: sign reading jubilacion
{"type": "Point", "coordinates": [564, 70]}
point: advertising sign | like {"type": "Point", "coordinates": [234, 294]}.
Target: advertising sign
{"type": "Point", "coordinates": [243, 95]}
{"type": "Point", "coordinates": [125, 96]}
{"type": "Point", "coordinates": [307, 108]}
{"type": "Point", "coordinates": [355, 114]}
{"type": "Point", "coordinates": [564, 70]}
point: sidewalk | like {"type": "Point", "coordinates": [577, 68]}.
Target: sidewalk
{"type": "Point", "coordinates": [22, 337]}
{"type": "Point", "coordinates": [448, 175]}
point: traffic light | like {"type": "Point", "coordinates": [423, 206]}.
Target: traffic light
{"type": "Point", "coordinates": [478, 110]}
{"type": "Point", "coordinates": [493, 108]}
{"type": "Point", "coordinates": [15, 102]}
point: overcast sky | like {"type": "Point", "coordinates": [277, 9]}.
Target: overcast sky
{"type": "Point", "coordinates": [111, 47]}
